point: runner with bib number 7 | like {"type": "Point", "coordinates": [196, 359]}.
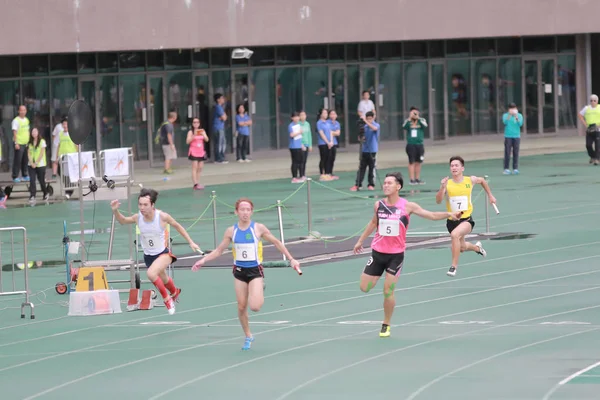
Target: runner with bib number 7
{"type": "Point", "coordinates": [458, 198]}
{"type": "Point", "coordinates": [390, 223]}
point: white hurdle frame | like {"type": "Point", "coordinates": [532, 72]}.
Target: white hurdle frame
{"type": "Point", "coordinates": [14, 291]}
{"type": "Point", "coordinates": [65, 182]}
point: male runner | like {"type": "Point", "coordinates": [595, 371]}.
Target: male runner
{"type": "Point", "coordinates": [387, 248]}
{"type": "Point", "coordinates": [458, 198]}
{"type": "Point", "coordinates": [152, 224]}
{"type": "Point", "coordinates": [248, 272]}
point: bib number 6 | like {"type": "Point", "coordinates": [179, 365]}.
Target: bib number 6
{"type": "Point", "coordinates": [244, 254]}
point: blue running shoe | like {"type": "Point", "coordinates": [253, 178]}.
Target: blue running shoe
{"type": "Point", "coordinates": [248, 343]}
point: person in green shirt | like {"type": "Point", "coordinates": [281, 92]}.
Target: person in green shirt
{"type": "Point", "coordinates": [37, 164]}
{"type": "Point", "coordinates": [306, 143]}
{"type": "Point", "coordinates": [415, 126]}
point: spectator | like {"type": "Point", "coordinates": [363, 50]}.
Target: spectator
{"type": "Point", "coordinates": [513, 121]}
{"type": "Point", "coordinates": [590, 116]}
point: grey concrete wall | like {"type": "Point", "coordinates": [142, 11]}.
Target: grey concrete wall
{"type": "Point", "coordinates": [48, 26]}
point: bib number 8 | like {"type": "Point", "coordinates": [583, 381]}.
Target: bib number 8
{"type": "Point", "coordinates": [151, 243]}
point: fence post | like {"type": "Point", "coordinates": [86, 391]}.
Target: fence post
{"type": "Point", "coordinates": [214, 196]}
{"type": "Point", "coordinates": [309, 206]}
{"type": "Point", "coordinates": [280, 225]}
{"type": "Point", "coordinates": [487, 210]}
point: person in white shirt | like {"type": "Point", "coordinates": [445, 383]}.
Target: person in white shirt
{"type": "Point", "coordinates": [365, 105]}
{"type": "Point", "coordinates": [55, 140]}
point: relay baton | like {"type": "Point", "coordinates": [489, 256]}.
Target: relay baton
{"type": "Point", "coordinates": [496, 208]}
{"type": "Point", "coordinates": [298, 270]}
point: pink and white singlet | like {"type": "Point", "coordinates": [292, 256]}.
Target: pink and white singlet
{"type": "Point", "coordinates": [392, 224]}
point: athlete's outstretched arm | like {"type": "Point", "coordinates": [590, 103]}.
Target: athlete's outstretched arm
{"type": "Point", "coordinates": [265, 233]}
{"type": "Point", "coordinates": [414, 208]}
{"type": "Point", "coordinates": [119, 217]}
{"type": "Point", "coordinates": [171, 221]}
{"type": "Point", "coordinates": [485, 186]}
{"type": "Point", "coordinates": [227, 237]}
{"type": "Point", "coordinates": [371, 226]}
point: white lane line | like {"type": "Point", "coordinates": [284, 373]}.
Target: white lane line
{"type": "Point", "coordinates": [568, 379]}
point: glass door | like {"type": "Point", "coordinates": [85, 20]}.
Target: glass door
{"type": "Point", "coordinates": [438, 101]}
{"type": "Point", "coordinates": [240, 96]}
{"type": "Point", "coordinates": [89, 93]}
{"type": "Point", "coordinates": [156, 112]}
{"type": "Point", "coordinates": [202, 105]}
{"type": "Point", "coordinates": [337, 101]}
{"type": "Point", "coordinates": [540, 95]}
{"type": "Point", "coordinates": [221, 85]}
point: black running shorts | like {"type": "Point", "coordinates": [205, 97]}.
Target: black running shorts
{"type": "Point", "coordinates": [380, 262]}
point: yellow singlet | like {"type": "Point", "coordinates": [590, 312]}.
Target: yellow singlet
{"type": "Point", "coordinates": [458, 196]}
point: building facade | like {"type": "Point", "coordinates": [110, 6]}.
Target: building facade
{"type": "Point", "coordinates": [155, 56]}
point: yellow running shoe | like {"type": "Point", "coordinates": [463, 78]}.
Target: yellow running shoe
{"type": "Point", "coordinates": [385, 331]}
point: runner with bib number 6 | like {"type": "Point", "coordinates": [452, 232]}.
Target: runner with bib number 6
{"type": "Point", "coordinates": [458, 198]}
{"type": "Point", "coordinates": [246, 236]}
{"type": "Point", "coordinates": [390, 224]}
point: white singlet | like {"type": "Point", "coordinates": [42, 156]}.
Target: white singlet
{"type": "Point", "coordinates": [152, 235]}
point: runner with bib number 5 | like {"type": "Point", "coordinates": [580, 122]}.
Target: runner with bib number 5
{"type": "Point", "coordinates": [247, 252]}
{"type": "Point", "coordinates": [458, 198]}
{"type": "Point", "coordinates": [152, 224]}
{"type": "Point", "coordinates": [390, 224]}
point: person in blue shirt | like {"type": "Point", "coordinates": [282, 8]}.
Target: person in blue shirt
{"type": "Point", "coordinates": [336, 130]}
{"type": "Point", "coordinates": [513, 121]}
{"type": "Point", "coordinates": [242, 122]}
{"type": "Point", "coordinates": [295, 145]}
{"type": "Point", "coordinates": [370, 146]}
{"type": "Point", "coordinates": [219, 118]}
{"type": "Point", "coordinates": [325, 143]}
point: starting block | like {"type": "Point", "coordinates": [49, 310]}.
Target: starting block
{"type": "Point", "coordinates": [141, 300]}
{"type": "Point", "coordinates": [98, 302]}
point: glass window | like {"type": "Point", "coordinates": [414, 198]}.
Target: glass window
{"type": "Point", "coordinates": [509, 85]}
{"type": "Point", "coordinates": [353, 98]}
{"type": "Point", "coordinates": [36, 65]}
{"type": "Point", "coordinates": [352, 52]}
{"type": "Point", "coordinates": [567, 99]}
{"type": "Point", "coordinates": [110, 130]}
{"type": "Point", "coordinates": [108, 62]}
{"type": "Point", "coordinates": [288, 55]}
{"type": "Point", "coordinates": [155, 61]}
{"type": "Point", "coordinates": [336, 53]}
{"type": "Point", "coordinates": [221, 84]}
{"type": "Point", "coordinates": [539, 44]}
{"type": "Point", "coordinates": [87, 93]}
{"type": "Point", "coordinates": [368, 52]}
{"type": "Point", "coordinates": [135, 114]}
{"type": "Point", "coordinates": [483, 47]}
{"type": "Point", "coordinates": [509, 46]}
{"type": "Point", "coordinates": [264, 118]}
{"type": "Point", "coordinates": [86, 63]}
{"type": "Point", "coordinates": [220, 58]}
{"type": "Point", "coordinates": [436, 49]}
{"type": "Point", "coordinates": [314, 54]}
{"type": "Point", "coordinates": [263, 56]}
{"type": "Point", "coordinates": [63, 64]}
{"type": "Point", "coordinates": [178, 59]}
{"type": "Point", "coordinates": [9, 67]}
{"type": "Point", "coordinates": [289, 96]}
{"type": "Point", "coordinates": [417, 89]}
{"type": "Point", "coordinates": [9, 105]}
{"type": "Point", "coordinates": [337, 101]}
{"type": "Point", "coordinates": [64, 92]}
{"type": "Point", "coordinates": [316, 84]}
{"type": "Point", "coordinates": [566, 43]}
{"type": "Point", "coordinates": [389, 51]}
{"type": "Point", "coordinates": [37, 100]}
{"type": "Point", "coordinates": [459, 102]}
{"type": "Point", "coordinates": [458, 48]}
{"type": "Point", "coordinates": [415, 49]}
{"type": "Point", "coordinates": [179, 98]}
{"type": "Point", "coordinates": [437, 106]}
{"type": "Point", "coordinates": [132, 61]}
{"type": "Point", "coordinates": [484, 107]}
{"type": "Point", "coordinates": [390, 114]}
{"type": "Point", "coordinates": [200, 59]}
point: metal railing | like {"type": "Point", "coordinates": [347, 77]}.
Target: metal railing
{"type": "Point", "coordinates": [71, 185]}
{"type": "Point", "coordinates": [15, 291]}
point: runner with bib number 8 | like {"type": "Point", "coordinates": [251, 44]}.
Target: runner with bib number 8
{"type": "Point", "coordinates": [458, 198]}
{"type": "Point", "coordinates": [390, 224]}
{"type": "Point", "coordinates": [246, 236]}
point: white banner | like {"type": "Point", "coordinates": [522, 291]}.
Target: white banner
{"type": "Point", "coordinates": [116, 162]}
{"type": "Point", "coordinates": [87, 162]}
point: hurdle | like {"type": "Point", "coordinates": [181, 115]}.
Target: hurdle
{"type": "Point", "coordinates": [16, 291]}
